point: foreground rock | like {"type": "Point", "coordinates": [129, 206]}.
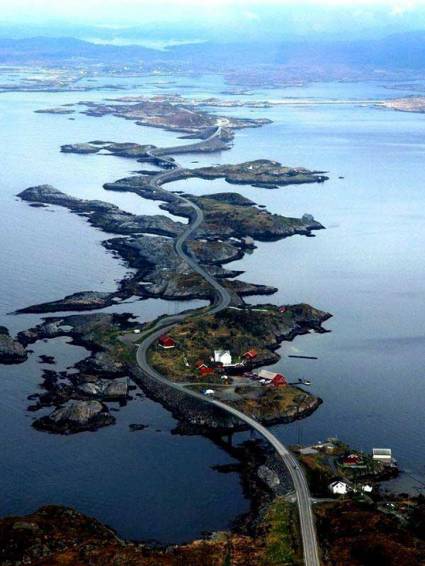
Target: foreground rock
{"type": "Point", "coordinates": [58, 536]}
{"type": "Point", "coordinates": [76, 416]}
{"type": "Point", "coordinates": [11, 351]}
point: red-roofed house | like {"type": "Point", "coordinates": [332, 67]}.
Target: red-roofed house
{"type": "Point", "coordinates": [166, 342]}
{"type": "Point", "coordinates": [279, 380]}
{"type": "Point", "coordinates": [282, 309]}
{"type": "Point", "coordinates": [352, 460]}
{"type": "Point", "coordinates": [250, 355]}
{"type": "Point", "coordinates": [204, 370]}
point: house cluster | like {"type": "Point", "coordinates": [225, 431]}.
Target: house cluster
{"type": "Point", "coordinates": [222, 360]}
{"type": "Point", "coordinates": [341, 487]}
{"type": "Point", "coordinates": [354, 460]}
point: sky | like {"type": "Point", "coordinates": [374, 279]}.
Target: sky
{"type": "Point", "coordinates": [215, 17]}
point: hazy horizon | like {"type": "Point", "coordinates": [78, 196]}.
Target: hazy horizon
{"type": "Point", "coordinates": [181, 21]}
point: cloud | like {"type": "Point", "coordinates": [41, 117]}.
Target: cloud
{"type": "Point", "coordinates": [252, 16]}
{"type": "Point", "coordinates": [400, 8]}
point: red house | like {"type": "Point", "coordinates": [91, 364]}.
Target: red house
{"type": "Point", "coordinates": [352, 460]}
{"type": "Point", "coordinates": [282, 309]}
{"type": "Point", "coordinates": [250, 355]}
{"type": "Point", "coordinates": [205, 370]}
{"type": "Point", "coordinates": [279, 380]}
{"type": "Point", "coordinates": [166, 342]}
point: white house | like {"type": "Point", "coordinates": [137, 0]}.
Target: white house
{"type": "Point", "coordinates": [382, 454]}
{"type": "Point", "coordinates": [223, 357]}
{"type": "Point", "coordinates": [367, 488]}
{"type": "Point", "coordinates": [338, 487]}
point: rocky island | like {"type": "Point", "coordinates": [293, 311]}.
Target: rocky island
{"type": "Point", "coordinates": [11, 350]}
{"type": "Point", "coordinates": [406, 104]}
{"type": "Point", "coordinates": [104, 375]}
{"type": "Point", "coordinates": [258, 330]}
{"type": "Point", "coordinates": [160, 272]}
{"type": "Point", "coordinates": [171, 113]}
{"type": "Point", "coordinates": [261, 173]}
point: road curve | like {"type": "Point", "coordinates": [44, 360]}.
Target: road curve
{"type": "Point", "coordinates": [221, 301]}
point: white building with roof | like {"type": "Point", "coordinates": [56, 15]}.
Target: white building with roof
{"type": "Point", "coordinates": [223, 357]}
{"type": "Point", "coordinates": [382, 454]}
{"type": "Point", "coordinates": [338, 487]}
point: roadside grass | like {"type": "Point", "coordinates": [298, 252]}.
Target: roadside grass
{"type": "Point", "coordinates": [280, 534]}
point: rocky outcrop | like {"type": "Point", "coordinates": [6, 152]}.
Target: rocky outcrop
{"type": "Point", "coordinates": [102, 214]}
{"type": "Point", "coordinates": [85, 300]}
{"type": "Point", "coordinates": [268, 476]}
{"type": "Point", "coordinates": [224, 219]}
{"type": "Point", "coordinates": [262, 172]}
{"type": "Point", "coordinates": [161, 273]}
{"type": "Point", "coordinates": [11, 351]}
{"type": "Point", "coordinates": [83, 328]}
{"type": "Point", "coordinates": [59, 110]}
{"type": "Point", "coordinates": [169, 113]}
{"type": "Point", "coordinates": [76, 416]}
{"type": "Point", "coordinates": [132, 150]}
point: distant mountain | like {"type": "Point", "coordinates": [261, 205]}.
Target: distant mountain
{"type": "Point", "coordinates": [396, 52]}
{"type": "Point", "coordinates": [66, 49]}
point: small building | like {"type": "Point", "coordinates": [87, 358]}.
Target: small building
{"type": "Point", "coordinates": [266, 375]}
{"type": "Point", "coordinates": [250, 355]}
{"type": "Point", "coordinates": [209, 392]}
{"type": "Point", "coordinates": [200, 364]}
{"type": "Point", "coordinates": [282, 309]}
{"type": "Point", "coordinates": [279, 380]}
{"type": "Point", "coordinates": [272, 378]}
{"type": "Point", "coordinates": [166, 342]}
{"type": "Point", "coordinates": [308, 451]}
{"type": "Point", "coordinates": [366, 488]}
{"type": "Point", "coordinates": [204, 370]}
{"type": "Point", "coordinates": [223, 357]}
{"type": "Point", "coordinates": [338, 487]}
{"type": "Point", "coordinates": [382, 454]}
{"type": "Point", "coordinates": [352, 460]}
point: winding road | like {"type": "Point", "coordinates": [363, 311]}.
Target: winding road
{"type": "Point", "coordinates": [222, 299]}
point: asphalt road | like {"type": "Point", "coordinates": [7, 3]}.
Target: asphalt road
{"type": "Point", "coordinates": [223, 300]}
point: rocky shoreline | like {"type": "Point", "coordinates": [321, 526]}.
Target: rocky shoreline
{"type": "Point", "coordinates": [230, 219]}
{"type": "Point", "coordinates": [11, 350]}
{"type": "Point", "coordinates": [56, 533]}
{"type": "Point", "coordinates": [79, 398]}
{"type": "Point", "coordinates": [169, 113]}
